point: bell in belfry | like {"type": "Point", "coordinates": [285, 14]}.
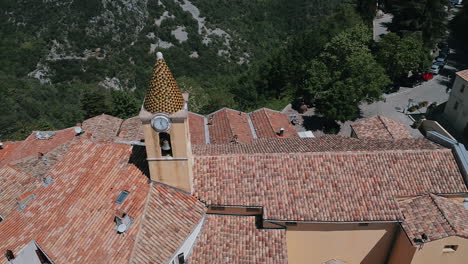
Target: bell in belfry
{"type": "Point", "coordinates": [165, 145]}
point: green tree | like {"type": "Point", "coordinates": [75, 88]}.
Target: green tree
{"type": "Point", "coordinates": [345, 75]}
{"type": "Point", "coordinates": [95, 101]}
{"type": "Point", "coordinates": [400, 55]}
{"type": "Point", "coordinates": [427, 17]}
{"type": "Point", "coordinates": [124, 104]}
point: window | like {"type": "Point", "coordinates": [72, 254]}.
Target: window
{"type": "Point", "coordinates": [462, 88]}
{"type": "Point", "coordinates": [122, 197]}
{"type": "Point", "coordinates": [363, 224]}
{"type": "Point", "coordinates": [455, 106]}
{"type": "Point", "coordinates": [450, 248]}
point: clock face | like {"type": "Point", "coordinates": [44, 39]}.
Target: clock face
{"type": "Point", "coordinates": [161, 123]}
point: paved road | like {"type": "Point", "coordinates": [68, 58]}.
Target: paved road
{"type": "Point", "coordinates": [393, 105]}
{"type": "Point", "coordinates": [379, 28]}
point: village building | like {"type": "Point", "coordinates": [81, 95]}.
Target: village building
{"type": "Point", "coordinates": [456, 109]}
{"type": "Point", "coordinates": [172, 186]}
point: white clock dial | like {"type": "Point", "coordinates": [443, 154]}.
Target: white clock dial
{"type": "Point", "coordinates": [161, 123]}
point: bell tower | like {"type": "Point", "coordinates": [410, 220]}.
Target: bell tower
{"type": "Point", "coordinates": [164, 116]}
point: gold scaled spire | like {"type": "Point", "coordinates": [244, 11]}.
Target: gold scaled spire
{"type": "Point", "coordinates": [163, 94]}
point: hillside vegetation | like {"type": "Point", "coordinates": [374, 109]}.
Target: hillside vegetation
{"type": "Point", "coordinates": [64, 61]}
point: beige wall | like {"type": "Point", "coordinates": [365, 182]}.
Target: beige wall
{"type": "Point", "coordinates": [403, 251]}
{"type": "Point", "coordinates": [175, 171]}
{"type": "Point", "coordinates": [351, 243]}
{"type": "Point", "coordinates": [458, 118]}
{"type": "Point", "coordinates": [431, 125]}
{"type": "Point", "coordinates": [431, 253]}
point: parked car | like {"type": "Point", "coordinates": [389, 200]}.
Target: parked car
{"type": "Point", "coordinates": [427, 76]}
{"type": "Point", "coordinates": [440, 62]}
{"type": "Point", "coordinates": [434, 69]}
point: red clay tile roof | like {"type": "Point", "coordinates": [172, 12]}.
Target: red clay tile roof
{"type": "Point", "coordinates": [320, 144]}
{"type": "Point", "coordinates": [235, 239]}
{"type": "Point", "coordinates": [131, 129]}
{"type": "Point", "coordinates": [226, 124]}
{"type": "Point", "coordinates": [170, 217]}
{"type": "Point", "coordinates": [14, 183]}
{"type": "Point", "coordinates": [463, 74]}
{"type": "Point", "coordinates": [380, 127]}
{"type": "Point", "coordinates": [197, 129]}
{"type": "Point", "coordinates": [335, 186]}
{"type": "Point", "coordinates": [267, 123]}
{"type": "Point", "coordinates": [72, 219]}
{"type": "Point", "coordinates": [435, 216]}
{"type": "Point", "coordinates": [8, 148]}
{"type": "Point", "coordinates": [32, 146]}
{"type": "Point", "coordinates": [104, 128]}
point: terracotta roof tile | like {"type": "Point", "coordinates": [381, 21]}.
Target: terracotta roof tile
{"type": "Point", "coordinates": [434, 216]}
{"type": "Point", "coordinates": [197, 128]}
{"type": "Point", "coordinates": [235, 239]}
{"type": "Point", "coordinates": [463, 74]}
{"type": "Point", "coordinates": [8, 148]}
{"type": "Point", "coordinates": [267, 123]}
{"type": "Point", "coordinates": [320, 144]}
{"type": "Point", "coordinates": [226, 124]}
{"type": "Point", "coordinates": [14, 183]}
{"type": "Point", "coordinates": [334, 186]}
{"type": "Point", "coordinates": [104, 128]}
{"type": "Point", "coordinates": [170, 217]}
{"type": "Point", "coordinates": [72, 219]}
{"type": "Point", "coordinates": [131, 129]}
{"type": "Point", "coordinates": [32, 146]}
{"type": "Point", "coordinates": [380, 127]}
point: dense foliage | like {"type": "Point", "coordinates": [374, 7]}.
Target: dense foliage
{"type": "Point", "coordinates": [401, 55]}
{"type": "Point", "coordinates": [428, 18]}
{"type": "Point", "coordinates": [94, 57]}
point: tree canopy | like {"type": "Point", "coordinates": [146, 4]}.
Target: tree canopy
{"type": "Point", "coordinates": [344, 75]}
{"type": "Point", "coordinates": [400, 55]}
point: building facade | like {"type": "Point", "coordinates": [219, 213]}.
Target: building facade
{"type": "Point", "coordinates": [456, 109]}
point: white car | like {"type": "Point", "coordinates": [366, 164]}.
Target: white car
{"type": "Point", "coordinates": [434, 69]}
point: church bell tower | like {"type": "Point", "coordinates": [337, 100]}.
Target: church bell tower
{"type": "Point", "coordinates": [165, 126]}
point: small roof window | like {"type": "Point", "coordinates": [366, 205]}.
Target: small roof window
{"type": "Point", "coordinates": [122, 197]}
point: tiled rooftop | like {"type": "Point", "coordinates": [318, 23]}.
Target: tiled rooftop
{"type": "Point", "coordinates": [227, 124]}
{"type": "Point", "coordinates": [169, 218]}
{"type": "Point", "coordinates": [435, 216]}
{"type": "Point", "coordinates": [102, 127]}
{"type": "Point", "coordinates": [131, 129]}
{"type": "Point", "coordinates": [463, 74]}
{"type": "Point", "coordinates": [14, 183]}
{"type": "Point", "coordinates": [320, 144]}
{"type": "Point", "coordinates": [380, 127]}
{"type": "Point", "coordinates": [197, 129]}
{"type": "Point", "coordinates": [72, 219]}
{"type": "Point", "coordinates": [7, 149]}
{"type": "Point", "coordinates": [267, 124]}
{"type": "Point", "coordinates": [336, 186]}
{"type": "Point", "coordinates": [32, 146]}
{"type": "Point", "coordinates": [235, 239]}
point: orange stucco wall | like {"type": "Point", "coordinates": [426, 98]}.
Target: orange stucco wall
{"type": "Point", "coordinates": [351, 243]}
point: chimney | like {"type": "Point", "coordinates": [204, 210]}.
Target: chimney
{"type": "Point", "coordinates": [281, 132]}
{"type": "Point", "coordinates": [465, 203]}
{"type": "Point", "coordinates": [89, 135]}
{"type": "Point", "coordinates": [1, 145]}
{"type": "Point", "coordinates": [40, 155]}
